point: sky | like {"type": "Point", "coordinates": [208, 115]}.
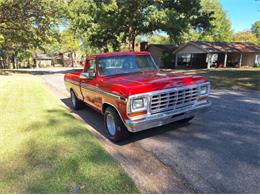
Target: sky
{"type": "Point", "coordinates": [242, 13]}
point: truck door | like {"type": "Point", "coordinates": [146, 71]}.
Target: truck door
{"type": "Point", "coordinates": [89, 86]}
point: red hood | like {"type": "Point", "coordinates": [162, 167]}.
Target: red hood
{"type": "Point", "coordinates": [130, 84]}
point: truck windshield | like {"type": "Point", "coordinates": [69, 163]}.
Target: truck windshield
{"type": "Point", "coordinates": [125, 64]}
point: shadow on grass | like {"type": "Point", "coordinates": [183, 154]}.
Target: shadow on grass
{"type": "Point", "coordinates": [61, 156]}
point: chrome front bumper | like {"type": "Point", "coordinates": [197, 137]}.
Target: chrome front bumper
{"type": "Point", "coordinates": [155, 120]}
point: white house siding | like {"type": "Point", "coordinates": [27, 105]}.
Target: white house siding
{"type": "Point", "coordinates": [41, 63]}
{"type": "Point", "coordinates": [249, 59]}
{"type": "Point", "coordinates": [190, 49]}
{"type": "Point", "coordinates": [233, 58]}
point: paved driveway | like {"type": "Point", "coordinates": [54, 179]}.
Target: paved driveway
{"type": "Point", "coordinates": [218, 152]}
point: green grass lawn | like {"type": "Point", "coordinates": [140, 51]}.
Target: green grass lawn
{"type": "Point", "coordinates": [43, 149]}
{"type": "Point", "coordinates": [236, 78]}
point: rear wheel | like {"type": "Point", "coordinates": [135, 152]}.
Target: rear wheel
{"type": "Point", "coordinates": [115, 128]}
{"type": "Point", "coordinates": [76, 103]}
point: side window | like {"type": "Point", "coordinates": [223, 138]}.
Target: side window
{"type": "Point", "coordinates": [92, 67]}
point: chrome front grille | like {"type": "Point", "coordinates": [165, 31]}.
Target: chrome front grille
{"type": "Point", "coordinates": [175, 99]}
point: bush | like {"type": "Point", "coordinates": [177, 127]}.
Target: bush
{"type": "Point", "coordinates": [168, 60]}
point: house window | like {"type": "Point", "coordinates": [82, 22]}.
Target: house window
{"type": "Point", "coordinates": [184, 59]}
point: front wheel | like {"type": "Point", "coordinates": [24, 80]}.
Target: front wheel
{"type": "Point", "coordinates": [115, 128]}
{"type": "Point", "coordinates": [76, 103]}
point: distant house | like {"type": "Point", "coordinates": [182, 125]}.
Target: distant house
{"type": "Point", "coordinates": [65, 59]}
{"type": "Point", "coordinates": [201, 54]}
{"type": "Point", "coordinates": [158, 51]}
{"type": "Point", "coordinates": [41, 60]}
{"type": "Point", "coordinates": [71, 59]}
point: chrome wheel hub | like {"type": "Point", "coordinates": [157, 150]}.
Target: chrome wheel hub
{"type": "Point", "coordinates": [110, 122]}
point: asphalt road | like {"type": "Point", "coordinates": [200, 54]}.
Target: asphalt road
{"type": "Point", "coordinates": [218, 152]}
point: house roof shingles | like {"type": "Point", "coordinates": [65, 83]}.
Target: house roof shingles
{"type": "Point", "coordinates": [216, 47]}
{"type": "Point", "coordinates": [165, 47]}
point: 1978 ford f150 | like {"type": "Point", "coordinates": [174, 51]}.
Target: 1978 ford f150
{"type": "Point", "coordinates": [133, 94]}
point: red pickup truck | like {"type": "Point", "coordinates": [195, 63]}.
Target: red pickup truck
{"type": "Point", "coordinates": [133, 94]}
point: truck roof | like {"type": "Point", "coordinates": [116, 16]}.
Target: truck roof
{"type": "Point", "coordinates": [110, 54]}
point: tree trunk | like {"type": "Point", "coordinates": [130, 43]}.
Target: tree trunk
{"type": "Point", "coordinates": [13, 63]}
{"type": "Point", "coordinates": [131, 39]}
{"type": "Point", "coordinates": [28, 63]}
{"type": "Point", "coordinates": [1, 63]}
{"type": "Point", "coordinates": [72, 59]}
{"type": "Point", "coordinates": [133, 43]}
{"type": "Point", "coordinates": [5, 62]}
{"type": "Point", "coordinates": [9, 64]}
{"type": "Point", "coordinates": [34, 63]}
{"type": "Point", "coordinates": [62, 59]}
{"type": "Point", "coordinates": [130, 30]}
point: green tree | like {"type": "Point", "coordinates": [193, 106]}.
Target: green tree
{"type": "Point", "coordinates": [220, 24]}
{"type": "Point", "coordinates": [256, 30]}
{"type": "Point", "coordinates": [66, 43]}
{"type": "Point", "coordinates": [27, 24]}
{"type": "Point", "coordinates": [245, 36]}
{"type": "Point", "coordinates": [184, 16]}
{"type": "Point", "coordinates": [91, 22]}
{"type": "Point", "coordinates": [159, 39]}
{"type": "Point", "coordinates": [108, 23]}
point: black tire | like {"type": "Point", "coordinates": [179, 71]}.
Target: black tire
{"type": "Point", "coordinates": [76, 103]}
{"type": "Point", "coordinates": [186, 120]}
{"type": "Point", "coordinates": [120, 131]}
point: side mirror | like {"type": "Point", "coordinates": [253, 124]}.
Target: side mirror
{"type": "Point", "coordinates": [86, 75]}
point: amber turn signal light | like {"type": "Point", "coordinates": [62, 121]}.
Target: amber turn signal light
{"type": "Point", "coordinates": [133, 114]}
